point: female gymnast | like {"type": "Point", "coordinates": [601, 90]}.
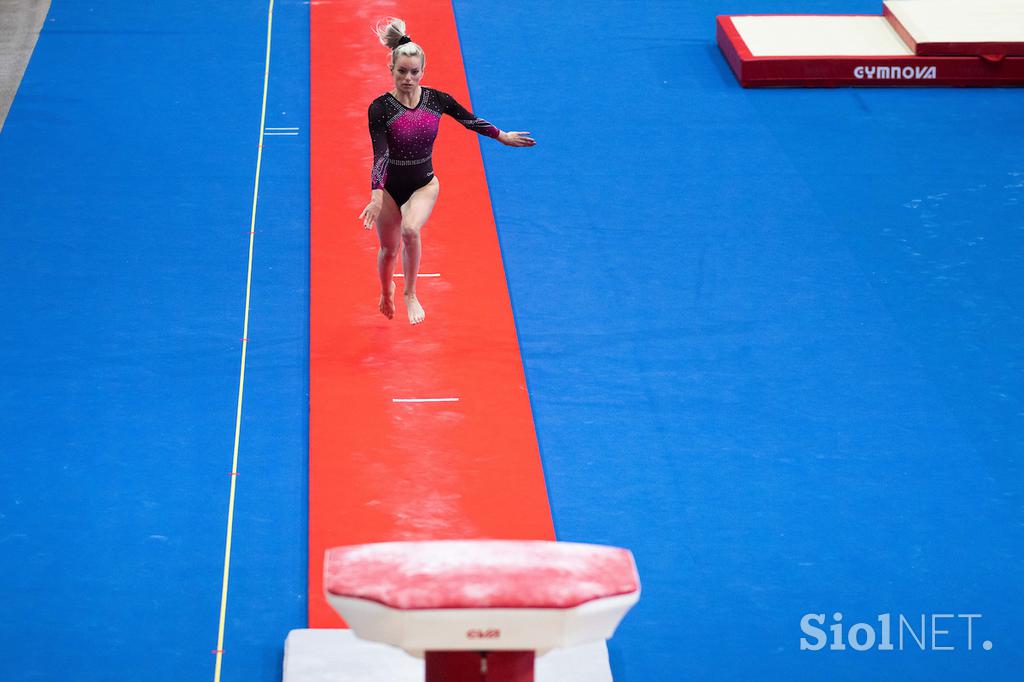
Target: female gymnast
{"type": "Point", "coordinates": [403, 125]}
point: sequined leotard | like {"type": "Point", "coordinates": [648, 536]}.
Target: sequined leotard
{"type": "Point", "coordinates": [403, 139]}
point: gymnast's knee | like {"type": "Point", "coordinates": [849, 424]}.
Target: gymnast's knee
{"type": "Point", "coordinates": [410, 234]}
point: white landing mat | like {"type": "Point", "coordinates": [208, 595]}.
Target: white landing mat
{"type": "Point", "coordinates": [960, 21]}
{"type": "Point", "coordinates": [820, 36]}
{"type": "Point", "coordinates": [339, 656]}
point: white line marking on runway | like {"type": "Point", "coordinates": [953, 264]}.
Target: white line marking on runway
{"type": "Point", "coordinates": [422, 274]}
{"type": "Point", "coordinates": [424, 400]}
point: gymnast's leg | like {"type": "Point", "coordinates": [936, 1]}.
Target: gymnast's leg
{"type": "Point", "coordinates": [389, 229]}
{"type": "Point", "coordinates": [414, 215]}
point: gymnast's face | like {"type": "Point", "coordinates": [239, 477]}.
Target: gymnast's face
{"type": "Point", "coordinates": [407, 72]}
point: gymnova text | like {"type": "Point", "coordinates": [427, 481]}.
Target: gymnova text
{"type": "Point", "coordinates": [892, 632]}
{"type": "Point", "coordinates": [906, 73]}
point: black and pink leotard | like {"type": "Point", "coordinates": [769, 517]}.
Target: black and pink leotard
{"type": "Point", "coordinates": [403, 139]}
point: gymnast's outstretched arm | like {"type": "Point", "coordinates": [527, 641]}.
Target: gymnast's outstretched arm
{"type": "Point", "coordinates": [473, 122]}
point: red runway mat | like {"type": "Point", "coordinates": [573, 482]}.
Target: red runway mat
{"type": "Point", "coordinates": [385, 470]}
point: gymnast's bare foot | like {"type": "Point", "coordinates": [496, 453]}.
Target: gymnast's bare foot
{"type": "Point", "coordinates": [387, 303]}
{"type": "Point", "coordinates": [416, 312]}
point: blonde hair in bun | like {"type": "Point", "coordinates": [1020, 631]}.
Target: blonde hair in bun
{"type": "Point", "coordinates": [390, 30]}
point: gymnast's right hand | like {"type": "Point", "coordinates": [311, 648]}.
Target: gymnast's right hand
{"type": "Point", "coordinates": [370, 214]}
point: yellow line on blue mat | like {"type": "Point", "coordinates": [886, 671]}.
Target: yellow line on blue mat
{"type": "Point", "coordinates": [241, 375]}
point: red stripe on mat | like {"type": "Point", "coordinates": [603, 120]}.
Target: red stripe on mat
{"type": "Point", "coordinates": [381, 470]}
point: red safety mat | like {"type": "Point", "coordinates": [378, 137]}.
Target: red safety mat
{"type": "Point", "coordinates": [379, 469]}
{"type": "Point", "coordinates": [910, 70]}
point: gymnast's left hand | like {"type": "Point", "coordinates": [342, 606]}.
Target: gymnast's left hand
{"type": "Point", "coordinates": [516, 139]}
